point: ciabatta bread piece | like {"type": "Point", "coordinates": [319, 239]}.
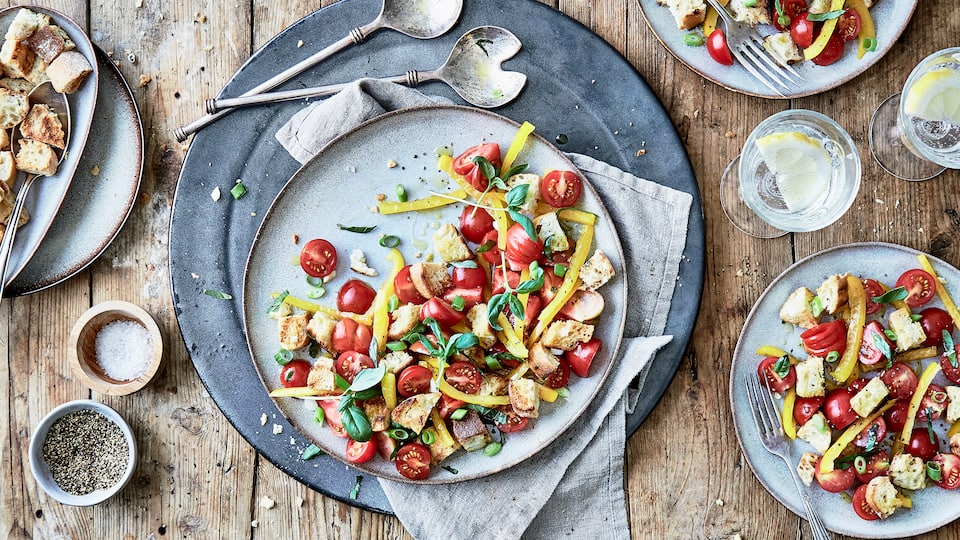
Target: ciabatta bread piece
{"type": "Point", "coordinates": [42, 124]}
{"type": "Point", "coordinates": [753, 15]}
{"type": "Point", "coordinates": [688, 13]}
{"type": "Point", "coordinates": [8, 170]}
{"type": "Point", "coordinates": [49, 41]}
{"type": "Point", "coordinates": [17, 59]}
{"type": "Point", "coordinates": [26, 23]}
{"type": "Point", "coordinates": [36, 157]}
{"type": "Point", "coordinates": [68, 71]}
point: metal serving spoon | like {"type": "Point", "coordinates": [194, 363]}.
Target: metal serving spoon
{"type": "Point", "coordinates": [421, 19]}
{"type": "Point", "coordinates": [42, 93]}
{"type": "Point", "coordinates": [472, 70]}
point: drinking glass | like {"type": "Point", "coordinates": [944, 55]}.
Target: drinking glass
{"type": "Point", "coordinates": [915, 135]}
{"type": "Point", "coordinates": [799, 171]}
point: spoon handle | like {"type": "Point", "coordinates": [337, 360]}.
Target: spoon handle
{"type": "Point", "coordinates": [214, 106]}
{"type": "Point", "coordinates": [6, 245]}
{"type": "Point", "coordinates": [357, 35]}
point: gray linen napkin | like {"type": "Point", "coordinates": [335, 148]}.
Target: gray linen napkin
{"type": "Point", "coordinates": [563, 490]}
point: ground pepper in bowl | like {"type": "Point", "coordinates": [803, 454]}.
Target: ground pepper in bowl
{"type": "Point", "coordinates": [85, 452]}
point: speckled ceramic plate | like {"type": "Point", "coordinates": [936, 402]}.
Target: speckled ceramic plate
{"type": "Point", "coordinates": [340, 185]}
{"type": "Point", "coordinates": [891, 19]}
{"type": "Point", "coordinates": [47, 194]}
{"type": "Point", "coordinates": [102, 193]}
{"type": "Point", "coordinates": [932, 507]}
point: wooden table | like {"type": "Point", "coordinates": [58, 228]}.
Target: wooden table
{"type": "Point", "coordinates": [197, 478]}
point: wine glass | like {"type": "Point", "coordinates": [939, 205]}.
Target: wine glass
{"type": "Point", "coordinates": [799, 171]}
{"type": "Point", "coordinates": [915, 135]}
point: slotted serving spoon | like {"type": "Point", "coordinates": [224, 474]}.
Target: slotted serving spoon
{"type": "Point", "coordinates": [473, 70]}
{"type": "Point", "coordinates": [43, 93]}
{"type": "Point", "coordinates": [421, 19]}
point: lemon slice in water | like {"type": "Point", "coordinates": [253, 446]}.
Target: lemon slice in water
{"type": "Point", "coordinates": [935, 96]}
{"type": "Point", "coordinates": [802, 166]}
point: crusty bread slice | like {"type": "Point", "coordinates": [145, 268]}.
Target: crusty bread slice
{"type": "Point", "coordinates": [753, 15]}
{"type": "Point", "coordinates": [430, 279]}
{"type": "Point", "coordinates": [42, 124]}
{"type": "Point", "coordinates": [17, 59]}
{"type": "Point", "coordinates": [688, 13]}
{"type": "Point", "coordinates": [8, 170]}
{"type": "Point", "coordinates": [13, 108]}
{"type": "Point", "coordinates": [26, 23]}
{"type": "Point", "coordinates": [47, 43]}
{"type": "Point", "coordinates": [36, 157]}
{"type": "Point", "coordinates": [68, 71]}
{"type": "Point", "coordinates": [17, 86]}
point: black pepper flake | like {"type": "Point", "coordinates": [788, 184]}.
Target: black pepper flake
{"type": "Point", "coordinates": [85, 451]}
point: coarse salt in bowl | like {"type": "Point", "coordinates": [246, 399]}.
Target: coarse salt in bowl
{"type": "Point", "coordinates": [116, 348]}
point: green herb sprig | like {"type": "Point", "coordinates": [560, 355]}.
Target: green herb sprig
{"type": "Point", "coordinates": [508, 298]}
{"type": "Point", "coordinates": [355, 420]}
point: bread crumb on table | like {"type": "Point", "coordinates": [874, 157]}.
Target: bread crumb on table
{"type": "Point", "coordinates": [267, 502]}
{"type": "Point", "coordinates": [263, 419]}
{"type": "Point", "coordinates": [277, 429]}
{"type": "Point", "coordinates": [730, 135]}
{"type": "Point", "coordinates": [145, 80]}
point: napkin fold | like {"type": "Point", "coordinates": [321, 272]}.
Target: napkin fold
{"type": "Point", "coordinates": [576, 484]}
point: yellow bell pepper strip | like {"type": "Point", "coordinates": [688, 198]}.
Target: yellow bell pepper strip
{"type": "Point", "coordinates": [569, 283]}
{"type": "Point", "coordinates": [521, 325]}
{"type": "Point", "coordinates": [851, 433]}
{"type": "Point", "coordinates": [388, 388]}
{"type": "Point", "coordinates": [789, 424]}
{"type": "Point", "coordinates": [922, 385]}
{"type": "Point", "coordinates": [519, 371]}
{"type": "Point", "coordinates": [577, 216]}
{"type": "Point", "coordinates": [516, 146]}
{"type": "Point", "coordinates": [441, 428]}
{"type": "Point", "coordinates": [426, 203]}
{"type": "Point", "coordinates": [509, 338]}
{"type": "Point", "coordinates": [867, 29]}
{"type": "Point", "coordinates": [547, 394]}
{"type": "Point", "coordinates": [476, 399]}
{"type": "Point", "coordinates": [294, 391]}
{"type": "Point", "coordinates": [948, 303]}
{"type": "Point", "coordinates": [825, 33]}
{"type": "Point", "coordinates": [857, 301]}
{"type": "Point", "coordinates": [313, 307]}
{"type": "Point", "coordinates": [710, 21]}
{"type": "Point", "coordinates": [954, 429]}
{"type": "Point", "coordinates": [776, 352]}
{"type": "Point", "coordinates": [381, 317]}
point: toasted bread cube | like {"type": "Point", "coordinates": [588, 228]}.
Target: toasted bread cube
{"type": "Point", "coordinates": [782, 48]}
{"type": "Point", "coordinates": [533, 191]}
{"type": "Point", "coordinates": [430, 279]}
{"type": "Point", "coordinates": [6, 208]}
{"type": "Point", "coordinates": [405, 318]}
{"type": "Point", "coordinates": [36, 157]}
{"type": "Point", "coordinates": [470, 432]}
{"type": "Point", "coordinates": [810, 379]}
{"type": "Point", "coordinates": [378, 413]}
{"type": "Point", "coordinates": [47, 43]}
{"type": "Point", "coordinates": [816, 432]}
{"type": "Point", "coordinates": [16, 59]}
{"type": "Point", "coordinates": [565, 335]}
{"type": "Point", "coordinates": [806, 467]}
{"type": "Point", "coordinates": [397, 361]}
{"type": "Point", "coordinates": [480, 325]}
{"type": "Point", "coordinates": [882, 495]}
{"type": "Point", "coordinates": [796, 310]}
{"type": "Point", "coordinates": [869, 397]}
{"type": "Point", "coordinates": [17, 86]}
{"type": "Point", "coordinates": [525, 398]}
{"type": "Point", "coordinates": [358, 263]}
{"type": "Point", "coordinates": [68, 71]}
{"type": "Point", "coordinates": [42, 124]}
{"type": "Point", "coordinates": [753, 14]}
{"type": "Point", "coordinates": [687, 13]}
{"type": "Point", "coordinates": [548, 227]}
{"type": "Point", "coordinates": [13, 109]}
{"type": "Point", "coordinates": [439, 450]}
{"type": "Point", "coordinates": [293, 331]}
{"type": "Point", "coordinates": [908, 472]}
{"type": "Point", "coordinates": [8, 169]}
{"type": "Point", "coordinates": [909, 332]}
{"type": "Point", "coordinates": [26, 23]}
{"type": "Point", "coordinates": [320, 328]}
{"type": "Point", "coordinates": [448, 243]}
{"type": "Point", "coordinates": [833, 293]}
{"type": "Point", "coordinates": [953, 409]}
{"type": "Point", "coordinates": [542, 362]}
{"type": "Point", "coordinates": [322, 377]}
{"type": "Point", "coordinates": [413, 412]}
{"type": "Point", "coordinates": [495, 384]}
{"type": "Point", "coordinates": [596, 271]}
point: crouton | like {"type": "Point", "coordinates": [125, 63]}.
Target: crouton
{"type": "Point", "coordinates": [439, 450]}
{"type": "Point", "coordinates": [68, 71]}
{"type": "Point", "coordinates": [293, 331]}
{"type": "Point", "coordinates": [596, 271]}
{"type": "Point", "coordinates": [882, 495]}
{"type": "Point", "coordinates": [448, 243]}
{"type": "Point", "coordinates": [470, 432]}
{"type": "Point", "coordinates": [378, 413]}
{"type": "Point", "coordinates": [16, 59]}
{"type": "Point", "coordinates": [413, 412]}
{"type": "Point", "coordinates": [430, 279]}
{"type": "Point", "coordinates": [480, 325]}
{"type": "Point", "coordinates": [542, 362]}
{"type": "Point", "coordinates": [906, 471]}
{"type": "Point", "coordinates": [687, 13]}
{"type": "Point", "coordinates": [494, 384]}
{"type": "Point", "coordinates": [533, 191]}
{"type": "Point", "coordinates": [26, 23]}
{"type": "Point", "coordinates": [525, 398]}
{"type": "Point", "coordinates": [8, 168]}
{"type": "Point", "coordinates": [358, 263]}
{"type": "Point", "coordinates": [810, 380]}
{"type": "Point", "coordinates": [796, 310]}
{"type": "Point", "coordinates": [782, 48]}
{"type": "Point", "coordinates": [17, 86]}
{"type": "Point", "coordinates": [42, 124]}
{"type": "Point", "coordinates": [320, 328]}
{"type": "Point", "coordinates": [322, 377]}
{"type": "Point", "coordinates": [397, 361]}
{"type": "Point", "coordinates": [13, 109]}
{"type": "Point", "coordinates": [869, 397]}
{"type": "Point", "coordinates": [47, 42]}
{"type": "Point", "coordinates": [405, 318]}
{"type": "Point", "coordinates": [909, 332]}
{"type": "Point", "coordinates": [752, 14]}
{"type": "Point", "coordinates": [566, 334]}
{"type": "Point", "coordinates": [548, 228]}
{"type": "Point", "coordinates": [35, 157]}
{"type": "Point", "coordinates": [805, 467]}
{"type": "Point", "coordinates": [953, 409]}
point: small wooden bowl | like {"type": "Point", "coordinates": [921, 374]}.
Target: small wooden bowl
{"type": "Point", "coordinates": [83, 352]}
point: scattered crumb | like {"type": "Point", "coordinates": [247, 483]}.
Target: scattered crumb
{"type": "Point", "coordinates": [215, 194]}
{"type": "Point", "coordinates": [920, 230]}
{"type": "Point", "coordinates": [381, 196]}
{"type": "Point", "coordinates": [254, 524]}
{"type": "Point", "coordinates": [277, 429]}
{"type": "Point", "coordinates": [139, 3]}
{"type": "Point", "coordinates": [296, 238]}
{"type": "Point", "coordinates": [267, 502]}
{"type": "Point", "coordinates": [641, 152]}
{"type": "Point", "coordinates": [298, 500]}
{"type": "Point", "coordinates": [739, 272]}
{"type": "Point", "coordinates": [292, 441]}
{"type": "Point", "coordinates": [200, 18]}
{"type": "Point", "coordinates": [719, 502]}
{"type": "Point", "coordinates": [696, 113]}
{"type": "Point", "coordinates": [299, 43]}
{"type": "Point", "coordinates": [391, 164]}
{"type": "Point", "coordinates": [879, 201]}
{"type": "Point", "coordinates": [253, 214]}
{"type": "Point", "coordinates": [195, 275]}
{"type": "Point", "coordinates": [374, 210]}
{"type": "Point", "coordinates": [730, 135]}
{"type": "Point", "coordinates": [95, 170]}
{"type": "Point", "coordinates": [263, 419]}
{"type": "Point", "coordinates": [145, 80]}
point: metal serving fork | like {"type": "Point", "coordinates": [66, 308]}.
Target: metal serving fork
{"type": "Point", "coordinates": [747, 47]}
{"type": "Point", "coordinates": [770, 428]}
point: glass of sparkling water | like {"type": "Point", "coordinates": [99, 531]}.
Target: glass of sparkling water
{"type": "Point", "coordinates": [799, 171]}
{"type": "Point", "coordinates": [915, 135]}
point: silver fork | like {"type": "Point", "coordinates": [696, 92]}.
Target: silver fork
{"type": "Point", "coordinates": [770, 428]}
{"type": "Point", "coordinates": [747, 46]}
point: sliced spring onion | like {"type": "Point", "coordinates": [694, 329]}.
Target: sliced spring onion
{"type": "Point", "coordinates": [428, 437]}
{"type": "Point", "coordinates": [749, 3]}
{"type": "Point", "coordinates": [314, 281]}
{"type": "Point", "coordinates": [458, 414]}
{"type": "Point", "coordinates": [832, 357]}
{"type": "Point", "coordinates": [870, 44]}
{"type": "Point", "coordinates": [319, 415]}
{"type": "Point", "coordinates": [238, 190]}
{"type": "Point", "coordinates": [694, 39]}
{"type": "Point", "coordinates": [393, 303]}
{"type": "Point", "coordinates": [390, 241]}
{"type": "Point", "coordinates": [934, 471]}
{"type": "Point", "coordinates": [563, 392]}
{"type": "Point", "coordinates": [310, 452]}
{"type": "Point", "coordinates": [399, 434]}
{"type": "Point", "coordinates": [458, 303]}
{"type": "Point", "coordinates": [316, 292]}
{"type": "Point", "coordinates": [283, 357]}
{"type": "Point", "coordinates": [860, 464]}
{"type": "Point", "coordinates": [401, 193]}
{"type": "Point", "coordinates": [492, 449]}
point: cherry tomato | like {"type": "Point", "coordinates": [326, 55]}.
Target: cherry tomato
{"type": "Point", "coordinates": [464, 376]}
{"type": "Point", "coordinates": [350, 363]}
{"type": "Point", "coordinates": [869, 352]}
{"type": "Point", "coordinates": [777, 384]}
{"type": "Point", "coordinates": [294, 374]}
{"type": "Point", "coordinates": [831, 53]}
{"type": "Point", "coordinates": [464, 165]}
{"type": "Point", "coordinates": [861, 506]}
{"type": "Point", "coordinates": [440, 310]}
{"type": "Point", "coordinates": [949, 470]}
{"type": "Point", "coordinates": [470, 297]}
{"type": "Point", "coordinates": [551, 284]}
{"type": "Point", "coordinates": [802, 30]}
{"type": "Point", "coordinates": [921, 446]}
{"type": "Point", "coordinates": [896, 416]}
{"type": "Point", "coordinates": [934, 401]}
{"type": "Point", "coordinates": [532, 309]}
{"type": "Point", "coordinates": [492, 254]}
{"type": "Point", "coordinates": [921, 287]}
{"type": "Point", "coordinates": [475, 223]}
{"type": "Point", "coordinates": [877, 465]}
{"type": "Point", "coordinates": [837, 409]}
{"type": "Point", "coordinates": [514, 422]}
{"type": "Point", "coordinates": [826, 337]}
{"type": "Point", "coordinates": [513, 279]}
{"type": "Point", "coordinates": [934, 321]}
{"type": "Point", "coordinates": [413, 461]}
{"type": "Point", "coordinates": [858, 385]}
{"type": "Point", "coordinates": [878, 428]}
{"type": "Point", "coordinates": [950, 372]}
{"type": "Point", "coordinates": [349, 335]}
{"type": "Point", "coordinates": [385, 444]}
{"type": "Point", "coordinates": [848, 25]}
{"type": "Point", "coordinates": [582, 306]}
{"type": "Point", "coordinates": [447, 405]}
{"type": "Point", "coordinates": [414, 380]}
{"type": "Point", "coordinates": [836, 480]}
{"type": "Point", "coordinates": [469, 278]}
{"type": "Point", "coordinates": [717, 48]}
{"type": "Point", "coordinates": [404, 288]}
{"type": "Point", "coordinates": [360, 452]}
{"type": "Point", "coordinates": [332, 417]}
{"type": "Point", "coordinates": [790, 10]}
{"type": "Point", "coordinates": [805, 407]}
{"type": "Point", "coordinates": [355, 296]}
{"type": "Point", "coordinates": [872, 289]}
{"type": "Point", "coordinates": [520, 247]}
{"type": "Point", "coordinates": [318, 258]}
{"type": "Point", "coordinates": [581, 357]}
{"type": "Point", "coordinates": [561, 188]}
{"type": "Point", "coordinates": [560, 377]}
{"type": "Point", "coordinates": [900, 380]}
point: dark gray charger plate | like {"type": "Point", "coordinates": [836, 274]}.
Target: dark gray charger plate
{"type": "Point", "coordinates": [577, 86]}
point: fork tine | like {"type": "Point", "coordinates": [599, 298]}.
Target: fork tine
{"type": "Point", "coordinates": [762, 53]}
{"type": "Point", "coordinates": [753, 71]}
{"type": "Point", "coordinates": [772, 404]}
{"type": "Point", "coordinates": [753, 404]}
{"type": "Point", "coordinates": [756, 58]}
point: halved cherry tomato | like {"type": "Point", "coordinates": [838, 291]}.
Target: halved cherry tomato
{"type": "Point", "coordinates": [950, 372]}
{"type": "Point", "coordinates": [349, 335]}
{"type": "Point", "coordinates": [413, 461]}
{"type": "Point", "coordinates": [900, 380]}
{"type": "Point", "coordinates": [790, 10]}
{"type": "Point", "coordinates": [836, 480]}
{"type": "Point", "coordinates": [848, 26]}
{"type": "Point", "coordinates": [521, 248]}
{"type": "Point", "coordinates": [837, 408]}
{"type": "Point", "coordinates": [414, 380]}
{"type": "Point", "coordinates": [831, 53]}
{"type": "Point", "coordinates": [777, 383]}
{"type": "Point", "coordinates": [332, 417]}
{"type": "Point", "coordinates": [404, 288]}
{"type": "Point", "coordinates": [805, 407]}
{"type": "Point", "coordinates": [294, 374]}
{"type": "Point", "coordinates": [872, 289]}
{"type": "Point", "coordinates": [825, 338]}
{"type": "Point", "coordinates": [464, 165]}
{"type": "Point", "coordinates": [464, 376]}
{"type": "Point", "coordinates": [469, 278]}
{"type": "Point", "coordinates": [475, 223]}
{"type": "Point", "coordinates": [385, 444]}
{"type": "Point", "coordinates": [921, 287]}
{"type": "Point", "coordinates": [717, 48]}
{"type": "Point", "coordinates": [861, 506]}
{"type": "Point", "coordinates": [869, 352]}
{"type": "Point", "coordinates": [360, 452]}
{"type": "Point", "coordinates": [551, 284]}
{"type": "Point", "coordinates": [560, 377]}
{"type": "Point", "coordinates": [949, 470]}
{"type": "Point", "coordinates": [447, 405]}
{"type": "Point", "coordinates": [318, 258]}
{"type": "Point", "coordinates": [934, 321]}
{"type": "Point", "coordinates": [921, 446]}
{"type": "Point", "coordinates": [355, 296]}
{"type": "Point", "coordinates": [492, 253]}
{"type": "Point", "coordinates": [350, 363]}
{"type": "Point", "coordinates": [470, 297]}
{"type": "Point", "coordinates": [581, 357]}
{"type": "Point", "coordinates": [583, 306]}
{"type": "Point", "coordinates": [561, 188]}
{"type": "Point", "coordinates": [877, 465]}
{"type": "Point", "coordinates": [934, 401]}
{"type": "Point", "coordinates": [875, 432]}
{"type": "Point", "coordinates": [802, 30]}
{"type": "Point", "coordinates": [514, 422]}
{"type": "Point", "coordinates": [532, 309]}
{"type": "Point", "coordinates": [513, 279]}
{"type": "Point", "coordinates": [440, 310]}
{"type": "Point", "coordinates": [896, 416]}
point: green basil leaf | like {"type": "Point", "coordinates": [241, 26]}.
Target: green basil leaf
{"type": "Point", "coordinates": [820, 17]}
{"type": "Point", "coordinates": [356, 423]}
{"type": "Point", "coordinates": [486, 246]}
{"type": "Point", "coordinates": [219, 295]}
{"type": "Point", "coordinates": [341, 383]}
{"type": "Point", "coordinates": [516, 306]}
{"type": "Point", "coordinates": [427, 344]}
{"type": "Point", "coordinates": [469, 263]}
{"type": "Point", "coordinates": [782, 366]}
{"type": "Point", "coordinates": [360, 230]}
{"type": "Point", "coordinates": [949, 349]}
{"type": "Point", "coordinates": [355, 492]}
{"type": "Point", "coordinates": [494, 308]}
{"type": "Point", "coordinates": [368, 378]}
{"type": "Point", "coordinates": [525, 222]}
{"type": "Point", "coordinates": [310, 452]}
{"type": "Point", "coordinates": [486, 168]}
{"type": "Point", "coordinates": [278, 301]}
{"type": "Point", "coordinates": [882, 345]}
{"type": "Point", "coordinates": [519, 168]}
{"type": "Point", "coordinates": [893, 295]}
{"type": "Point", "coordinates": [493, 415]}
{"type": "Point", "coordinates": [369, 393]}
{"type": "Point", "coordinates": [517, 196]}
{"type": "Point", "coordinates": [466, 340]}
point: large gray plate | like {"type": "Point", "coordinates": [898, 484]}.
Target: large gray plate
{"type": "Point", "coordinates": [339, 186]}
{"type": "Point", "coordinates": [891, 19]}
{"type": "Point", "coordinates": [932, 507]}
{"type": "Point", "coordinates": [47, 194]}
{"type": "Point", "coordinates": [97, 205]}
{"type": "Point", "coordinates": [578, 85]}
